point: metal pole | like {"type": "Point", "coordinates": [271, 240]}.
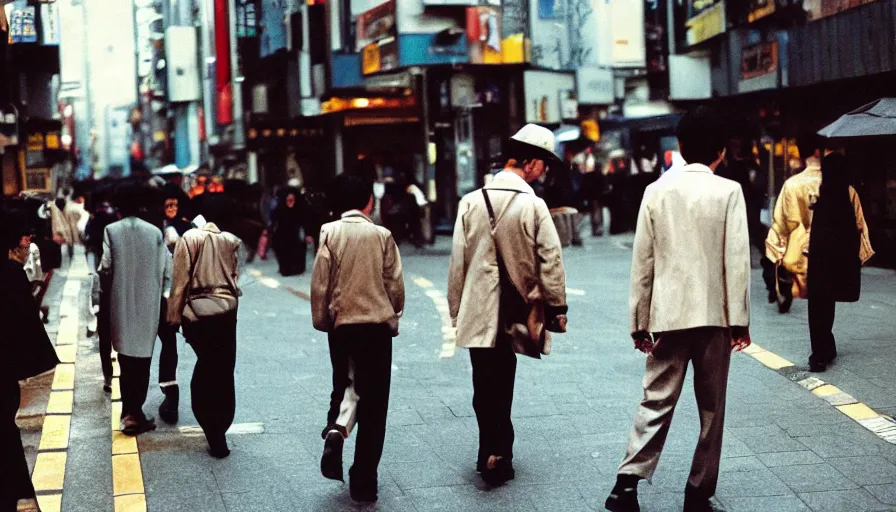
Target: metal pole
{"type": "Point", "coordinates": [207, 23]}
{"type": "Point", "coordinates": [239, 135]}
{"type": "Point", "coordinates": [305, 66]}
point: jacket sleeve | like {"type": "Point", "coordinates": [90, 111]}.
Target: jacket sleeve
{"type": "Point", "coordinates": [457, 266]}
{"type": "Point", "coordinates": [320, 287]}
{"type": "Point", "coordinates": [551, 273]}
{"type": "Point", "coordinates": [393, 277]}
{"type": "Point", "coordinates": [106, 262]}
{"type": "Point", "coordinates": [180, 282]}
{"type": "Point", "coordinates": [641, 285]}
{"type": "Point", "coordinates": [165, 261]}
{"type": "Point", "coordinates": [737, 262]}
{"type": "Point", "coordinates": [865, 250]}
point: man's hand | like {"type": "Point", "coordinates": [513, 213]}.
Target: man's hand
{"type": "Point", "coordinates": [558, 324]}
{"type": "Point", "coordinates": [643, 341]}
{"type": "Point", "coordinates": [740, 338]}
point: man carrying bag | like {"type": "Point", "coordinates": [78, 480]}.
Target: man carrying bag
{"type": "Point", "coordinates": [506, 288]}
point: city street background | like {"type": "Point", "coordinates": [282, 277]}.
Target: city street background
{"type": "Point", "coordinates": [785, 449]}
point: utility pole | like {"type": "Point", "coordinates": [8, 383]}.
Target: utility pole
{"type": "Point", "coordinates": [239, 133]}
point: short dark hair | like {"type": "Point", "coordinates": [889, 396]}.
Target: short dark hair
{"type": "Point", "coordinates": [702, 134]}
{"type": "Point", "coordinates": [13, 226]}
{"type": "Point", "coordinates": [808, 143]}
{"type": "Point", "coordinates": [130, 200]}
{"type": "Point", "coordinates": [350, 192]}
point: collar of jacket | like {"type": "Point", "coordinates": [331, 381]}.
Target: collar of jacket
{"type": "Point", "coordinates": [506, 180]}
{"type": "Point", "coordinates": [355, 214]}
{"type": "Point", "coordinates": [697, 168]}
{"type": "Point", "coordinates": [210, 227]}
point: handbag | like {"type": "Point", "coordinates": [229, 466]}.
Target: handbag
{"type": "Point", "coordinates": [520, 321]}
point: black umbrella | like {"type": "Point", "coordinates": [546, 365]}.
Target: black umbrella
{"type": "Point", "coordinates": [874, 119]}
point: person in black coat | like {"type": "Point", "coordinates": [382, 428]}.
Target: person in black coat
{"type": "Point", "coordinates": [835, 267]}
{"type": "Point", "coordinates": [27, 352]}
{"type": "Point", "coordinates": [289, 245]}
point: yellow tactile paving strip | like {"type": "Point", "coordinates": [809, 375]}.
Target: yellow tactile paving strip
{"type": "Point", "coordinates": [48, 476]}
{"type": "Point", "coordinates": [881, 425]}
{"type": "Point", "coordinates": [127, 474]}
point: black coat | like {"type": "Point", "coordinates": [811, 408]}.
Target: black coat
{"type": "Point", "coordinates": [24, 343]}
{"type": "Point", "coordinates": [835, 270]}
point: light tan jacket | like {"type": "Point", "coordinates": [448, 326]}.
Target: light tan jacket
{"type": "Point", "coordinates": [357, 276]}
{"type": "Point", "coordinates": [531, 252]}
{"type": "Point", "coordinates": [691, 262]}
{"type": "Point", "coordinates": [215, 276]}
{"type": "Point", "coordinates": [788, 239]}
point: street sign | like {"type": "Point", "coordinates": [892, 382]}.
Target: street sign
{"type": "Point", "coordinates": [9, 126]}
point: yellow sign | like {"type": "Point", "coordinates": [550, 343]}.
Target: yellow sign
{"type": "Point", "coordinates": [370, 59]}
{"type": "Point", "coordinates": [36, 142]}
{"type": "Point", "coordinates": [52, 140]}
{"type": "Point", "coordinates": [706, 25]}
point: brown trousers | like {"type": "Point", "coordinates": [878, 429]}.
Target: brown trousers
{"type": "Point", "coordinates": [709, 349]}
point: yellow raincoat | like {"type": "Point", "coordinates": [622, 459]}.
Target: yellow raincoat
{"type": "Point", "coordinates": [787, 243]}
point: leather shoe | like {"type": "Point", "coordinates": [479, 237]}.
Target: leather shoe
{"type": "Point", "coordinates": [133, 426]}
{"type": "Point", "coordinates": [168, 410]}
{"type": "Point", "coordinates": [623, 500]}
{"type": "Point", "coordinates": [331, 460]}
{"type": "Point", "coordinates": [501, 473]}
{"type": "Point", "coordinates": [696, 501]}
{"type": "Point", "coordinates": [362, 487]}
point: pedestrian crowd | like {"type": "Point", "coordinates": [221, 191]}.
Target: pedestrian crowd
{"type": "Point", "coordinates": [157, 274]}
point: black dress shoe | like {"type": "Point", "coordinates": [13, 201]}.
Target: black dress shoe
{"type": "Point", "coordinates": [623, 500]}
{"type": "Point", "coordinates": [817, 366]}
{"type": "Point", "coordinates": [501, 473]}
{"type": "Point", "coordinates": [133, 426]}
{"type": "Point", "coordinates": [696, 501]}
{"type": "Point", "coordinates": [772, 296]}
{"type": "Point", "coordinates": [331, 460]}
{"type": "Point", "coordinates": [168, 410]}
{"type": "Point", "coordinates": [218, 448]}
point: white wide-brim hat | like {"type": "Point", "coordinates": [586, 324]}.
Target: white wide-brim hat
{"type": "Point", "coordinates": [538, 140]}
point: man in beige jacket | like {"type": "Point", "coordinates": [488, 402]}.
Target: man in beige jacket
{"type": "Point", "coordinates": [690, 302]}
{"type": "Point", "coordinates": [516, 261]}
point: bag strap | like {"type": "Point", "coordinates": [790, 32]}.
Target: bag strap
{"type": "Point", "coordinates": [491, 211]}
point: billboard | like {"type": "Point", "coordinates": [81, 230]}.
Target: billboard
{"type": "Point", "coordinates": [376, 24]}
{"type": "Point", "coordinates": [22, 22]}
{"type": "Point", "coordinates": [49, 14]}
{"type": "Point", "coordinates": [484, 35]}
{"type": "Point", "coordinates": [817, 9]}
{"type": "Point", "coordinates": [619, 30]}
{"type": "Point", "coordinates": [759, 60]}
{"type": "Point", "coordinates": [704, 19]}
{"type": "Point", "coordinates": [758, 9]}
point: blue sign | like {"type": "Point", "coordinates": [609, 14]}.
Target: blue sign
{"type": "Point", "coordinates": [273, 35]}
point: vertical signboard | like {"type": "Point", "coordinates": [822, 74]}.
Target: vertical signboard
{"type": "Point", "coordinates": [71, 47]}
{"type": "Point", "coordinates": [619, 29]}
{"type": "Point", "coordinates": [49, 14]}
{"type": "Point", "coordinates": [700, 20]}
{"type": "Point", "coordinates": [273, 32]}
{"type": "Point", "coordinates": [22, 22]}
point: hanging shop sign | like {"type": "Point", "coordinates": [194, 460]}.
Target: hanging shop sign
{"type": "Point", "coordinates": [543, 91]}
{"type": "Point", "coordinates": [9, 126]}
{"type": "Point", "coordinates": [49, 15]}
{"type": "Point", "coordinates": [379, 56]}
{"type": "Point", "coordinates": [22, 22]}
{"type": "Point", "coordinates": [817, 9]}
{"type": "Point", "coordinates": [376, 25]}
{"type": "Point", "coordinates": [595, 86]}
{"type": "Point", "coordinates": [705, 19]}
{"type": "Point", "coordinates": [759, 9]}
{"type": "Point", "coordinates": [484, 35]}
{"type": "Point", "coordinates": [273, 31]}
{"type": "Point", "coordinates": [759, 60]}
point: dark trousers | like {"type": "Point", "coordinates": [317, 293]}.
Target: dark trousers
{"type": "Point", "coordinates": [134, 384]}
{"type": "Point", "coordinates": [213, 389]}
{"type": "Point", "coordinates": [168, 357]}
{"type": "Point", "coordinates": [103, 331]}
{"type": "Point", "coordinates": [339, 360]}
{"type": "Point", "coordinates": [16, 481]}
{"type": "Point", "coordinates": [494, 373]}
{"type": "Point", "coordinates": [369, 347]}
{"type": "Point", "coordinates": [821, 325]}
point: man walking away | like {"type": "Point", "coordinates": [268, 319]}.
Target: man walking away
{"type": "Point", "coordinates": [690, 302]}
{"type": "Point", "coordinates": [138, 269]}
{"type": "Point", "coordinates": [205, 299]}
{"type": "Point", "coordinates": [838, 248]}
{"type": "Point", "coordinates": [357, 297]}
{"type": "Point", "coordinates": [506, 287]}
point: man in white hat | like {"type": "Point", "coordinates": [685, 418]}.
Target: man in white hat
{"type": "Point", "coordinates": [506, 287]}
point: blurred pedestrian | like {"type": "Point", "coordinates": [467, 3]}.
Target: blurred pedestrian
{"type": "Point", "coordinates": [357, 297]}
{"type": "Point", "coordinates": [137, 268]}
{"type": "Point", "coordinates": [76, 218]}
{"type": "Point", "coordinates": [690, 302]}
{"type": "Point", "coordinates": [561, 199]}
{"type": "Point", "coordinates": [289, 244]}
{"type": "Point", "coordinates": [98, 309]}
{"type": "Point", "coordinates": [27, 352]}
{"type": "Point", "coordinates": [505, 226]}
{"type": "Point", "coordinates": [838, 248]}
{"type": "Point", "coordinates": [787, 243]}
{"type": "Point", "coordinates": [204, 300]}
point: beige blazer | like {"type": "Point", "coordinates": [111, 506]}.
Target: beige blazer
{"type": "Point", "coordinates": [357, 276]}
{"type": "Point", "coordinates": [532, 255]}
{"type": "Point", "coordinates": [691, 262]}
